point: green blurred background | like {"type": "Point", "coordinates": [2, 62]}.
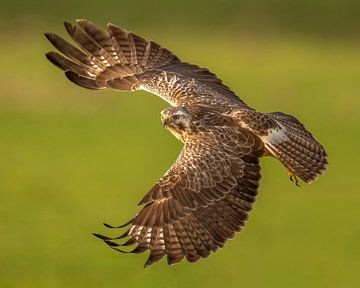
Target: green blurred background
{"type": "Point", "coordinates": [73, 158]}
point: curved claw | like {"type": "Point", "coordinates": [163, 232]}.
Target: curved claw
{"type": "Point", "coordinates": [293, 178]}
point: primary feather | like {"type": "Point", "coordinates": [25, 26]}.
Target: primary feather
{"type": "Point", "coordinates": [207, 194]}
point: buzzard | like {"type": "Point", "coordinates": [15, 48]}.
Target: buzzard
{"type": "Point", "coordinates": [207, 194]}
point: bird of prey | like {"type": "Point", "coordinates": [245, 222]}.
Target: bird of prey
{"type": "Point", "coordinates": [207, 194]}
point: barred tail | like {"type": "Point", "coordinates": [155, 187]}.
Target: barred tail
{"type": "Point", "coordinates": [296, 148]}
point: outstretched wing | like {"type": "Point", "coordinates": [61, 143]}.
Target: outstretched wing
{"type": "Point", "coordinates": [122, 60]}
{"type": "Point", "coordinates": [202, 200]}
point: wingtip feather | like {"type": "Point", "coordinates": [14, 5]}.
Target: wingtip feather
{"type": "Point", "coordinates": [83, 81]}
{"type": "Point", "coordinates": [84, 23]}
{"type": "Point", "coordinates": [120, 226]}
{"type": "Point", "coordinates": [102, 237]}
{"type": "Point", "coordinates": [52, 37]}
{"type": "Point", "coordinates": [56, 59]}
{"type": "Point", "coordinates": [70, 28]}
{"type": "Point", "coordinates": [48, 35]}
{"type": "Point", "coordinates": [52, 58]}
{"type": "Point", "coordinates": [81, 20]}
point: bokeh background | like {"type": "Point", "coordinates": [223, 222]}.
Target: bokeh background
{"type": "Point", "coordinates": [73, 158]}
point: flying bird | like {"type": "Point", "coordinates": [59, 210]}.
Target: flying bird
{"type": "Point", "coordinates": [207, 194]}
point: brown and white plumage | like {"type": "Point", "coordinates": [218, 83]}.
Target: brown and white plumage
{"type": "Point", "coordinates": [121, 60]}
{"type": "Point", "coordinates": [206, 195]}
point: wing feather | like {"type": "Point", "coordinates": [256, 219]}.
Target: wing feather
{"type": "Point", "coordinates": [201, 201]}
{"type": "Point", "coordinates": [121, 60]}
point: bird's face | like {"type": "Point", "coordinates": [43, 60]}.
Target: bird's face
{"type": "Point", "coordinates": [177, 120]}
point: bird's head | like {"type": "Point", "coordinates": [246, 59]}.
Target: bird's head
{"type": "Point", "coordinates": [177, 120]}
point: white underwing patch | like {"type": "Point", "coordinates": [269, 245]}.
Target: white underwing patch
{"type": "Point", "coordinates": [275, 136]}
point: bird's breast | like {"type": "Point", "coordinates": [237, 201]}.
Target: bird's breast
{"type": "Point", "coordinates": [179, 133]}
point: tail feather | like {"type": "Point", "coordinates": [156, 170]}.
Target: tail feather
{"type": "Point", "coordinates": [296, 148]}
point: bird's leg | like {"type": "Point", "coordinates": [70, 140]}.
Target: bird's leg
{"type": "Point", "coordinates": [293, 178]}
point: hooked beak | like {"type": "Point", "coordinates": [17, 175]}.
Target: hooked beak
{"type": "Point", "coordinates": [165, 119]}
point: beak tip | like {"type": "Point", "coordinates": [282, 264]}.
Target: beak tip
{"type": "Point", "coordinates": [165, 120]}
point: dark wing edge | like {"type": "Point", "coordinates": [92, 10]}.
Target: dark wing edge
{"type": "Point", "coordinates": [199, 204]}
{"type": "Point", "coordinates": [121, 60]}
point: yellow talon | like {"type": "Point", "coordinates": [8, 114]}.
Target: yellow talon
{"type": "Point", "coordinates": [293, 178]}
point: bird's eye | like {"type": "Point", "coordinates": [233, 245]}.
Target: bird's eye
{"type": "Point", "coordinates": [176, 117]}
